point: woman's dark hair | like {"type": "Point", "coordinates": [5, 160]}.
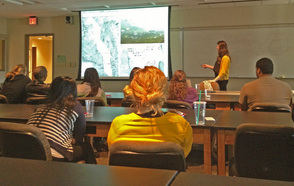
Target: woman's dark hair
{"type": "Point", "coordinates": [178, 86]}
{"type": "Point", "coordinates": [91, 76]}
{"type": "Point", "coordinates": [17, 69]}
{"type": "Point", "coordinates": [62, 92]}
{"type": "Point", "coordinates": [222, 50]}
{"type": "Point", "coordinates": [133, 71]}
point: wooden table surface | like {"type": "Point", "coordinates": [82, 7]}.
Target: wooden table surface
{"type": "Point", "coordinates": [191, 179]}
{"type": "Point", "coordinates": [23, 172]}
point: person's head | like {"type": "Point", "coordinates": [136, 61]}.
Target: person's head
{"type": "Point", "coordinates": [133, 71]}
{"type": "Point", "coordinates": [40, 73]}
{"type": "Point", "coordinates": [91, 76]}
{"type": "Point", "coordinates": [178, 85]}
{"type": "Point", "coordinates": [149, 89]}
{"type": "Point", "coordinates": [62, 92]}
{"type": "Point", "coordinates": [17, 69]}
{"type": "Point", "coordinates": [222, 49]}
{"type": "Point", "coordinates": [179, 76]}
{"type": "Point", "coordinates": [264, 66]}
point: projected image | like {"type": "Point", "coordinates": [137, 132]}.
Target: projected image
{"type": "Point", "coordinates": [115, 41]}
{"type": "Point", "coordinates": [134, 34]}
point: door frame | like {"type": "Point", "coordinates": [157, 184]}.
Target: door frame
{"type": "Point", "coordinates": [27, 48]}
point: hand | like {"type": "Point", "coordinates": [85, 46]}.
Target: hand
{"type": "Point", "coordinates": [204, 65]}
{"type": "Point", "coordinates": [210, 81]}
{"type": "Point", "coordinates": [73, 141]}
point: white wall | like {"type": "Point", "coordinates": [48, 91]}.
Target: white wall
{"type": "Point", "coordinates": [197, 19]}
{"type": "Point", "coordinates": [66, 36]}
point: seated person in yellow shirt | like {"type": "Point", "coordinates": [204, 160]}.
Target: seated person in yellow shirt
{"type": "Point", "coordinates": [149, 123]}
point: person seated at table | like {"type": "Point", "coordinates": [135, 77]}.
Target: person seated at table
{"type": "Point", "coordinates": [63, 122]}
{"type": "Point", "coordinates": [91, 86]}
{"type": "Point", "coordinates": [37, 88]}
{"type": "Point", "coordinates": [148, 122]}
{"type": "Point", "coordinates": [179, 89]}
{"type": "Point", "coordinates": [14, 85]}
{"type": "Point", "coordinates": [127, 93]}
{"type": "Point", "coordinates": [265, 89]}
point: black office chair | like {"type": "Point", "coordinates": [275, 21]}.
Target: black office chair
{"type": "Point", "coordinates": [264, 151]}
{"type": "Point", "coordinates": [176, 104]}
{"type": "Point", "coordinates": [158, 155]}
{"type": "Point", "coordinates": [36, 100]}
{"type": "Point", "coordinates": [98, 101]}
{"type": "Point", "coordinates": [23, 141]}
{"type": "Point", "coordinates": [3, 99]}
{"type": "Point", "coordinates": [271, 107]}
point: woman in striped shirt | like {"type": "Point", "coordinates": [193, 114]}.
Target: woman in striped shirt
{"type": "Point", "coordinates": [63, 122]}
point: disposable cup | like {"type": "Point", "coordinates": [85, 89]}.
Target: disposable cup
{"type": "Point", "coordinates": [199, 109]}
{"type": "Point", "coordinates": [207, 96]}
{"type": "Point", "coordinates": [197, 87]}
{"type": "Point", "coordinates": [89, 107]}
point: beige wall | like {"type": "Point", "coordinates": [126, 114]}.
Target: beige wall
{"type": "Point", "coordinates": [17, 29]}
{"type": "Point", "coordinates": [66, 36]}
{"type": "Point", "coordinates": [3, 32]}
{"type": "Point", "coordinates": [3, 26]}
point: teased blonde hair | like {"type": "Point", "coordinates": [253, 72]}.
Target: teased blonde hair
{"type": "Point", "coordinates": [149, 88]}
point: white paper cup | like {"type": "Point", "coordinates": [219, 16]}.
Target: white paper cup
{"type": "Point", "coordinates": [89, 107]}
{"type": "Point", "coordinates": [206, 95]}
{"type": "Point", "coordinates": [199, 109]}
{"type": "Point", "coordinates": [197, 87]}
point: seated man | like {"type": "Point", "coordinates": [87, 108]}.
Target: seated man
{"type": "Point", "coordinates": [265, 89]}
{"type": "Point", "coordinates": [38, 88]}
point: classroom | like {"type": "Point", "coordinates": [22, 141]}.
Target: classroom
{"type": "Point", "coordinates": [251, 31]}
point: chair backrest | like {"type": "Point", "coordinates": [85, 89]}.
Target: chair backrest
{"type": "Point", "coordinates": [214, 85]}
{"type": "Point", "coordinates": [158, 155]}
{"type": "Point", "coordinates": [125, 102]}
{"type": "Point", "coordinates": [264, 151]}
{"type": "Point", "coordinates": [3, 99]}
{"type": "Point", "coordinates": [36, 100]}
{"type": "Point", "coordinates": [23, 141]}
{"type": "Point", "coordinates": [98, 101]}
{"type": "Point", "coordinates": [271, 107]}
{"type": "Point", "coordinates": [176, 104]}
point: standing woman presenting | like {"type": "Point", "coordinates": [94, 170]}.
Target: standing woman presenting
{"type": "Point", "coordinates": [221, 66]}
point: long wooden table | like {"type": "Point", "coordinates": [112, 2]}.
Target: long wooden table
{"type": "Point", "coordinates": [223, 100]}
{"type": "Point", "coordinates": [228, 122]}
{"type": "Point", "coordinates": [114, 98]}
{"type": "Point", "coordinates": [14, 171]}
{"type": "Point", "coordinates": [225, 124]}
{"type": "Point", "coordinates": [191, 179]}
{"type": "Point", "coordinates": [98, 125]}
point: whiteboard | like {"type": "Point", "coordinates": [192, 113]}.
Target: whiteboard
{"type": "Point", "coordinates": [246, 46]}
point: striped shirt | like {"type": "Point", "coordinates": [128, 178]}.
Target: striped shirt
{"type": "Point", "coordinates": [58, 127]}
